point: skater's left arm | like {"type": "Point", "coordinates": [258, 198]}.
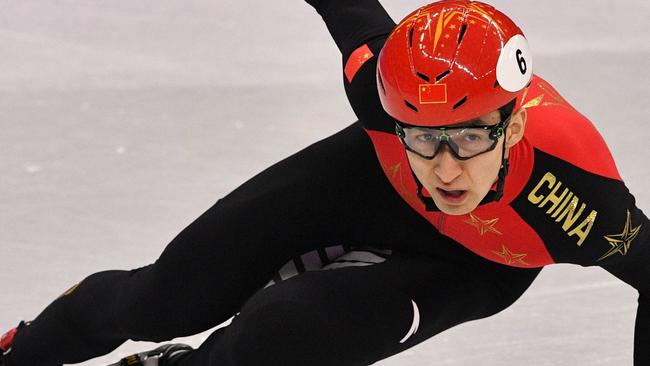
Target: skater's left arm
{"type": "Point", "coordinates": [634, 269]}
{"type": "Point", "coordinates": [352, 23]}
{"type": "Point", "coordinates": [359, 29]}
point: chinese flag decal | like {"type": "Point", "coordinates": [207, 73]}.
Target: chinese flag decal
{"type": "Point", "coordinates": [433, 93]}
{"type": "Point", "coordinates": [356, 60]}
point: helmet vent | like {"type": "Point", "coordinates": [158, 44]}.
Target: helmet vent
{"type": "Point", "coordinates": [422, 76]}
{"type": "Point", "coordinates": [381, 83]}
{"type": "Point", "coordinates": [411, 37]}
{"type": "Point", "coordinates": [460, 102]}
{"type": "Point", "coordinates": [410, 105]}
{"type": "Point", "coordinates": [439, 77]}
{"type": "Point", "coordinates": [463, 28]}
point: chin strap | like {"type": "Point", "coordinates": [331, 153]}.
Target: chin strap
{"type": "Point", "coordinates": [495, 196]}
{"type": "Point", "coordinates": [429, 205]}
{"type": "Point", "coordinates": [503, 172]}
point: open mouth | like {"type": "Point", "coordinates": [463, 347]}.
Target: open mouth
{"type": "Point", "coordinates": [452, 196]}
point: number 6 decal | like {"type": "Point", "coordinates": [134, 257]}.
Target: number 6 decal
{"type": "Point", "coordinates": [521, 61]}
{"type": "Point", "coordinates": [515, 64]}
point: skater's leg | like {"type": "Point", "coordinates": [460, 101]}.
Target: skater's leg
{"type": "Point", "coordinates": [207, 272]}
{"type": "Point", "coordinates": [358, 315]}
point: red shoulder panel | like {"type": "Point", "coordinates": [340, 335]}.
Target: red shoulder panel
{"type": "Point", "coordinates": [556, 128]}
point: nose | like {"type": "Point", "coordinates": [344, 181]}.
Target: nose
{"type": "Point", "coordinates": [446, 166]}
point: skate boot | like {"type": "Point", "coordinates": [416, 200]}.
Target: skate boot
{"type": "Point", "coordinates": [6, 342]}
{"type": "Point", "coordinates": [165, 355]}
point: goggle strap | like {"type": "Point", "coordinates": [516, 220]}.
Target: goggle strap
{"type": "Point", "coordinates": [503, 172]}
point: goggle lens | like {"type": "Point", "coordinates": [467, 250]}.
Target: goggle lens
{"type": "Point", "coordinates": [464, 142]}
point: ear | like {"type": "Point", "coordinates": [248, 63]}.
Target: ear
{"type": "Point", "coordinates": [516, 127]}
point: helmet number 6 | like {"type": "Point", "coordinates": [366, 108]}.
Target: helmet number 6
{"type": "Point", "coordinates": [521, 62]}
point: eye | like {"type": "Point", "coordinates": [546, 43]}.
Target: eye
{"type": "Point", "coordinates": [425, 137]}
{"type": "Point", "coordinates": [473, 137]}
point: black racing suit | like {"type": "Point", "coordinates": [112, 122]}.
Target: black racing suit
{"type": "Point", "coordinates": [334, 192]}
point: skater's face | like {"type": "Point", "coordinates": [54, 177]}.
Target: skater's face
{"type": "Point", "coordinates": [458, 186]}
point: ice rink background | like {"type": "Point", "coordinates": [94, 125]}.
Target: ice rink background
{"type": "Point", "coordinates": [121, 121]}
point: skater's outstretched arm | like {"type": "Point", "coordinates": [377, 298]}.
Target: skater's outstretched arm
{"type": "Point", "coordinates": [634, 269]}
{"type": "Point", "coordinates": [359, 29]}
{"type": "Point", "coordinates": [353, 23]}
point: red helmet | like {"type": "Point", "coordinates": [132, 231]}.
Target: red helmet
{"type": "Point", "coordinates": [452, 61]}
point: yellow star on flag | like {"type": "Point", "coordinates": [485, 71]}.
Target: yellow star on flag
{"type": "Point", "coordinates": [621, 242]}
{"type": "Point", "coordinates": [483, 226]}
{"type": "Point", "coordinates": [510, 257]}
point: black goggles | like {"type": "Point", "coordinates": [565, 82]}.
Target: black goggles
{"type": "Point", "coordinates": [464, 142]}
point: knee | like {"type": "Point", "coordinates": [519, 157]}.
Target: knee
{"type": "Point", "coordinates": [152, 307]}
{"type": "Point", "coordinates": [312, 330]}
{"type": "Point", "coordinates": [284, 333]}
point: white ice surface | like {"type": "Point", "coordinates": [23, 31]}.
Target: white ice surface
{"type": "Point", "coordinates": [124, 120]}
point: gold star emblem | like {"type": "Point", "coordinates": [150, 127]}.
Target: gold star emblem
{"type": "Point", "coordinates": [393, 170]}
{"type": "Point", "coordinates": [621, 242]}
{"type": "Point", "coordinates": [452, 26]}
{"type": "Point", "coordinates": [447, 36]}
{"type": "Point", "coordinates": [542, 98]}
{"type": "Point", "coordinates": [510, 257]}
{"type": "Point", "coordinates": [483, 226]}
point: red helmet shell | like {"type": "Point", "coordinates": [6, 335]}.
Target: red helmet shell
{"type": "Point", "coordinates": [450, 62]}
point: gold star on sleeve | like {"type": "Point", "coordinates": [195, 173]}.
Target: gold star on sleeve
{"type": "Point", "coordinates": [621, 242]}
{"type": "Point", "coordinates": [510, 257]}
{"type": "Point", "coordinates": [483, 226]}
